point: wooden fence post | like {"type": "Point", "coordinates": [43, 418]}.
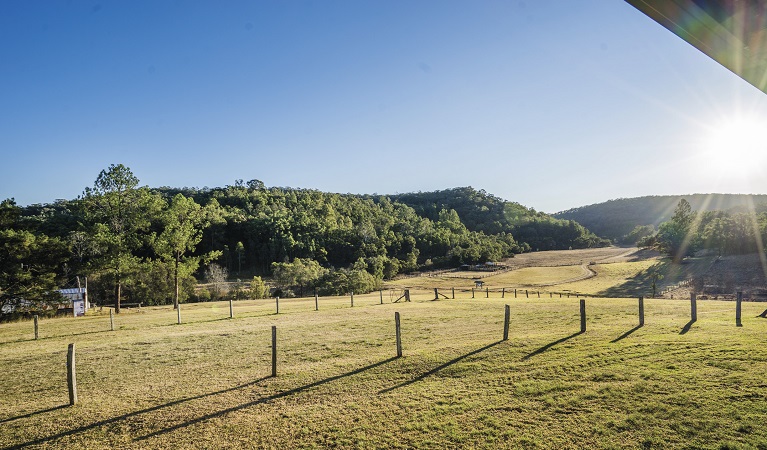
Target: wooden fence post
{"type": "Point", "coordinates": [316, 302]}
{"type": "Point", "coordinates": [436, 294]}
{"type": "Point", "coordinates": [539, 294]}
{"type": "Point", "coordinates": [37, 334]}
{"type": "Point", "coordinates": [693, 308]}
{"type": "Point", "coordinates": [178, 314]}
{"type": "Point", "coordinates": [277, 303]}
{"type": "Point", "coordinates": [352, 299]}
{"type": "Point", "coordinates": [641, 311]}
{"type": "Point", "coordinates": [453, 291]}
{"type": "Point", "coordinates": [407, 295]}
{"type": "Point", "coordinates": [526, 294]}
{"type": "Point", "coordinates": [111, 319]}
{"type": "Point", "coordinates": [398, 334]}
{"type": "Point", "coordinates": [583, 316]}
{"type": "Point", "coordinates": [274, 350]}
{"type": "Point", "coordinates": [515, 293]}
{"type": "Point", "coordinates": [503, 292]}
{"type": "Point", "coordinates": [71, 377]}
{"type": "Point", "coordinates": [231, 309]}
{"type": "Point", "coordinates": [487, 292]}
{"type": "Point", "coordinates": [738, 301]}
{"type": "Point", "coordinates": [506, 314]}
{"type": "Point", "coordinates": [472, 292]}
{"type": "Point", "coordinates": [380, 292]}
{"type": "Point", "coordinates": [551, 295]}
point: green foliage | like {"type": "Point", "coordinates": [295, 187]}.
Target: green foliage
{"type": "Point", "coordinates": [28, 270]}
{"type": "Point", "coordinates": [638, 234]}
{"type": "Point", "coordinates": [258, 289]}
{"type": "Point", "coordinates": [301, 273]}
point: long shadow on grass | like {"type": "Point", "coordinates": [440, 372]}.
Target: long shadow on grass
{"type": "Point", "coordinates": [122, 417]}
{"type": "Point", "coordinates": [264, 400]}
{"type": "Point", "coordinates": [549, 345]}
{"type": "Point", "coordinates": [438, 368]}
{"type": "Point", "coordinates": [202, 418]}
{"type": "Point", "coordinates": [34, 413]}
{"type": "Point", "coordinates": [626, 334]}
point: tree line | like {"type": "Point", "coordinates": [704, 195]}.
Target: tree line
{"type": "Point", "coordinates": [137, 244]}
{"type": "Point", "coordinates": [722, 232]}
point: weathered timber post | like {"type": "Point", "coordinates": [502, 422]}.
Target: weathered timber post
{"type": "Point", "coordinates": [641, 311]}
{"type": "Point", "coordinates": [539, 294]}
{"type": "Point", "coordinates": [71, 377]}
{"type": "Point", "coordinates": [526, 294]}
{"type": "Point", "coordinates": [693, 308]}
{"type": "Point", "coordinates": [407, 295]}
{"type": "Point", "coordinates": [560, 295]}
{"type": "Point", "coordinates": [487, 292]}
{"type": "Point", "coordinates": [111, 319]}
{"type": "Point", "coordinates": [436, 294]}
{"type": "Point", "coordinates": [231, 309]}
{"type": "Point", "coordinates": [277, 303]}
{"type": "Point", "coordinates": [503, 292]}
{"type": "Point", "coordinates": [274, 350]}
{"type": "Point", "coordinates": [738, 301]}
{"type": "Point", "coordinates": [551, 295]}
{"type": "Point", "coordinates": [506, 314]}
{"type": "Point", "coordinates": [453, 292]}
{"type": "Point", "coordinates": [583, 316]}
{"type": "Point", "coordinates": [398, 334]}
{"type": "Point", "coordinates": [37, 334]}
{"type": "Point", "coordinates": [472, 292]}
{"type": "Point", "coordinates": [178, 314]}
{"type": "Point", "coordinates": [316, 302]}
{"type": "Point", "coordinates": [380, 292]}
{"type": "Point", "coordinates": [352, 299]}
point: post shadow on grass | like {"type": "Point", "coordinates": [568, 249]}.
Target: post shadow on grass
{"type": "Point", "coordinates": [626, 334]}
{"type": "Point", "coordinates": [687, 327]}
{"type": "Point", "coordinates": [33, 413]}
{"type": "Point", "coordinates": [440, 367]}
{"type": "Point", "coordinates": [117, 419]}
{"type": "Point", "coordinates": [550, 344]}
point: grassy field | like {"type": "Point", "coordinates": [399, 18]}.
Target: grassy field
{"type": "Point", "coordinates": [206, 384]}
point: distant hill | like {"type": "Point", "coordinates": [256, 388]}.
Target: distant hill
{"type": "Point", "coordinates": [614, 219]}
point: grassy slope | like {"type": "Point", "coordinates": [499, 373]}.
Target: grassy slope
{"type": "Point", "coordinates": [154, 384]}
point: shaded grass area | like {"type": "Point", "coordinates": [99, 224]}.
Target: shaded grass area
{"type": "Point", "coordinates": [154, 384]}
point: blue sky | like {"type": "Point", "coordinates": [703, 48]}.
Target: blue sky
{"type": "Point", "coordinates": [552, 104]}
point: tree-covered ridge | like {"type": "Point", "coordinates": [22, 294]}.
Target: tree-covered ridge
{"type": "Point", "coordinates": [152, 245]}
{"type": "Point", "coordinates": [617, 218]}
{"type": "Point", "coordinates": [483, 212]}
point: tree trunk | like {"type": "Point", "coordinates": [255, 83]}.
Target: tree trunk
{"type": "Point", "coordinates": [118, 291]}
{"type": "Point", "coordinates": [175, 284]}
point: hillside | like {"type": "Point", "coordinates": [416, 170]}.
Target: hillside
{"type": "Point", "coordinates": [614, 219]}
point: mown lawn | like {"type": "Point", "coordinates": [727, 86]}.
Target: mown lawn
{"type": "Point", "coordinates": [206, 384]}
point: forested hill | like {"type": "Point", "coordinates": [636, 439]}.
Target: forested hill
{"type": "Point", "coordinates": [617, 218]}
{"type": "Point", "coordinates": [486, 213]}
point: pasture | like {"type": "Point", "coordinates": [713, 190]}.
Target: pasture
{"type": "Point", "coordinates": [206, 383]}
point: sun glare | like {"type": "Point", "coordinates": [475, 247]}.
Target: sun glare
{"type": "Point", "coordinates": [737, 146]}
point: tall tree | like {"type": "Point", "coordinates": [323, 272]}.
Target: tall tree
{"type": "Point", "coordinates": [183, 222]}
{"type": "Point", "coordinates": [120, 212]}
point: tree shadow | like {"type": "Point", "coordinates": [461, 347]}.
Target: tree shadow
{"type": "Point", "coordinates": [687, 327]}
{"type": "Point", "coordinates": [202, 418]}
{"type": "Point", "coordinates": [641, 283]}
{"type": "Point", "coordinates": [34, 413]}
{"type": "Point", "coordinates": [626, 334]}
{"type": "Point", "coordinates": [549, 345]}
{"type": "Point", "coordinates": [438, 368]}
{"type": "Point", "coordinates": [763, 315]}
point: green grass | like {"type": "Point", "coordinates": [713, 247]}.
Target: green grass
{"type": "Point", "coordinates": [205, 383]}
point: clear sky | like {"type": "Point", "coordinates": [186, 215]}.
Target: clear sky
{"type": "Point", "coordinates": [552, 104]}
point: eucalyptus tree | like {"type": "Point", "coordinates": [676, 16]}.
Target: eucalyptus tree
{"type": "Point", "coordinates": [183, 223]}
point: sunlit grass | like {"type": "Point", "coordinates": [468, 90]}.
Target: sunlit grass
{"type": "Point", "coordinates": [155, 384]}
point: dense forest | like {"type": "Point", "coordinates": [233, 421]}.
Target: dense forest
{"type": "Point", "coordinates": [153, 245]}
{"type": "Point", "coordinates": [615, 219]}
